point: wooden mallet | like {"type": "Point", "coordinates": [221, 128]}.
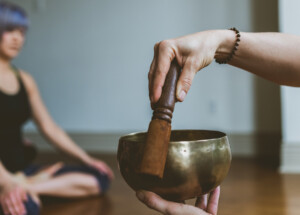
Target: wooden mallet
{"type": "Point", "coordinates": [159, 131]}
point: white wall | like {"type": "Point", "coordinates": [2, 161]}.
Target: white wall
{"type": "Point", "coordinates": [289, 16]}
{"type": "Point", "coordinates": [90, 59]}
{"type": "Point", "coordinates": [290, 97]}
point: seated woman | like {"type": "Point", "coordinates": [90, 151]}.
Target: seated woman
{"type": "Point", "coordinates": [19, 101]}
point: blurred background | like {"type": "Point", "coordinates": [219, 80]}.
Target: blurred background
{"type": "Point", "coordinates": [91, 58]}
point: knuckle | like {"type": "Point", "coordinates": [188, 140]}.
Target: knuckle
{"type": "Point", "coordinates": [186, 83]}
{"type": "Point", "coordinates": [161, 72]}
{"type": "Point", "coordinates": [150, 202]}
{"type": "Point", "coordinates": [170, 211]}
{"type": "Point", "coordinates": [157, 85]}
{"type": "Point", "coordinates": [164, 45]}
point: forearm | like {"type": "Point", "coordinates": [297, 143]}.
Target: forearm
{"type": "Point", "coordinates": [273, 56]}
{"type": "Point", "coordinates": [46, 124]}
{"type": "Point", "coordinates": [62, 141]}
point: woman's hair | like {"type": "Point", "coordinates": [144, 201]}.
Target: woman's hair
{"type": "Point", "coordinates": [11, 17]}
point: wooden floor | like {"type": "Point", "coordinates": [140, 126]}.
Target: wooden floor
{"type": "Point", "coordinates": [251, 188]}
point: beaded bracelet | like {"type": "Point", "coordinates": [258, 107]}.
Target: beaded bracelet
{"type": "Point", "coordinates": [226, 60]}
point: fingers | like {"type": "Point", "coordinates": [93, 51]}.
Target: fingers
{"type": "Point", "coordinates": [103, 168]}
{"type": "Point", "coordinates": [192, 52]}
{"type": "Point", "coordinates": [201, 202]}
{"type": "Point", "coordinates": [164, 55]}
{"type": "Point", "coordinates": [17, 198]}
{"type": "Point", "coordinates": [4, 206]}
{"type": "Point", "coordinates": [109, 172]}
{"type": "Point", "coordinates": [185, 80]}
{"type": "Point", "coordinates": [155, 202]}
{"type": "Point", "coordinates": [12, 203]}
{"type": "Point", "coordinates": [213, 201]}
{"type": "Point", "coordinates": [209, 204]}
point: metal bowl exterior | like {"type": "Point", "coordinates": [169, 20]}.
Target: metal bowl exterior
{"type": "Point", "coordinates": [197, 162]}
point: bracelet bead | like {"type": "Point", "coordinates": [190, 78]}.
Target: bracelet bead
{"type": "Point", "coordinates": [235, 48]}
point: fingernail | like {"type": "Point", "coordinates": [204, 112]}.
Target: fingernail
{"type": "Point", "coordinates": [182, 95]}
{"type": "Point", "coordinates": [140, 195]}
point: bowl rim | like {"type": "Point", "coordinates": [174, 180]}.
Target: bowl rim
{"type": "Point", "coordinates": [222, 136]}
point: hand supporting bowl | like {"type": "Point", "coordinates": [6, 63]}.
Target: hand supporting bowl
{"type": "Point", "coordinates": [197, 162]}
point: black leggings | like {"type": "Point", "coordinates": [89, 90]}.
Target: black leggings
{"type": "Point", "coordinates": [102, 179]}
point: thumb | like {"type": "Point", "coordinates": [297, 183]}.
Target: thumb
{"type": "Point", "coordinates": [185, 80]}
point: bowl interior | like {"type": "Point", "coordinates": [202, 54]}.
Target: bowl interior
{"type": "Point", "coordinates": [178, 136]}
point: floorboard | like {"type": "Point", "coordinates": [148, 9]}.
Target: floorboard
{"type": "Point", "coordinates": [251, 188]}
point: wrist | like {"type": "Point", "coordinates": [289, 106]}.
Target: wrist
{"type": "Point", "coordinates": [227, 39]}
{"type": "Point", "coordinates": [5, 179]}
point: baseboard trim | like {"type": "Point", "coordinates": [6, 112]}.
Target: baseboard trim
{"type": "Point", "coordinates": [91, 142]}
{"type": "Point", "coordinates": [290, 159]}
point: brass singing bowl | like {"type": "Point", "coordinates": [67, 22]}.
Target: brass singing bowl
{"type": "Point", "coordinates": [197, 162]}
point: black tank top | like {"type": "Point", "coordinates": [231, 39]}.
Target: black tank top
{"type": "Point", "coordinates": [14, 112]}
